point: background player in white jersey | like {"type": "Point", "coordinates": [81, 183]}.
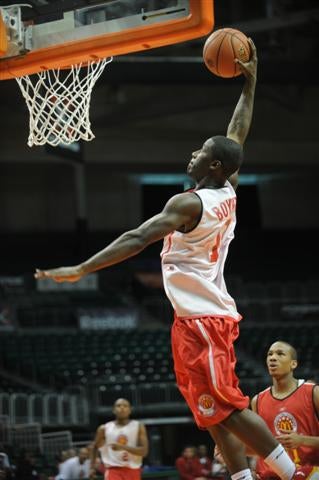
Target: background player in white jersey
{"type": "Point", "coordinates": [198, 227]}
{"type": "Point", "coordinates": [122, 444]}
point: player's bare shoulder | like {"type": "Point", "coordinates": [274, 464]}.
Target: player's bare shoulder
{"type": "Point", "coordinates": [186, 208]}
{"type": "Point", "coordinates": [185, 202]}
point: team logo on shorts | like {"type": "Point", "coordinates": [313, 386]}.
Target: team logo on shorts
{"type": "Point", "coordinates": [206, 405]}
{"type": "Point", "coordinates": [285, 423]}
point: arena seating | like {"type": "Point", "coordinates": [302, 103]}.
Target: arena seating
{"type": "Point", "coordinates": [47, 409]}
{"type": "Point", "coordinates": [137, 363]}
{"type": "Point", "coordinates": [60, 360]}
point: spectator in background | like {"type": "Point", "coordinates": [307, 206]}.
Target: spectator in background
{"type": "Point", "coordinates": [75, 468]}
{"type": "Point", "coordinates": [219, 469]}
{"type": "Point", "coordinates": [5, 468]}
{"type": "Point", "coordinates": [71, 453]}
{"type": "Point", "coordinates": [26, 469]}
{"type": "Point", "coordinates": [189, 466]}
{"type": "Point", "coordinates": [204, 460]}
{"type": "Point", "coordinates": [64, 456]}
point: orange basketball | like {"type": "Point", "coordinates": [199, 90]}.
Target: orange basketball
{"type": "Point", "coordinates": [220, 50]}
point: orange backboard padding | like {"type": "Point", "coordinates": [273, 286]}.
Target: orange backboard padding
{"type": "Point", "coordinates": [3, 37]}
{"type": "Point", "coordinates": [198, 23]}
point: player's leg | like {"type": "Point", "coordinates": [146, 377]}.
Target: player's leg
{"type": "Point", "coordinates": [251, 429]}
{"type": "Point", "coordinates": [218, 360]}
{"type": "Point", "coordinates": [231, 448]}
{"type": "Point", "coordinates": [190, 359]}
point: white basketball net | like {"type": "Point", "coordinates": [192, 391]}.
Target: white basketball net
{"type": "Point", "coordinates": [59, 103]}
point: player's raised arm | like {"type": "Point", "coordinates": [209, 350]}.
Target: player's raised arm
{"type": "Point", "coordinates": [239, 125]}
{"type": "Point", "coordinates": [180, 213]}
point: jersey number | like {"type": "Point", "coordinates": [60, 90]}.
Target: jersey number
{"type": "Point", "coordinates": [215, 249]}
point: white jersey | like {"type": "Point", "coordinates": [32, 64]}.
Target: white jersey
{"type": "Point", "coordinates": [193, 262]}
{"type": "Point", "coordinates": [126, 435]}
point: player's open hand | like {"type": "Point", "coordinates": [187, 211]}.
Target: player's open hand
{"type": "Point", "coordinates": [59, 275]}
{"type": "Point", "coordinates": [290, 440]}
{"type": "Point", "coordinates": [249, 69]}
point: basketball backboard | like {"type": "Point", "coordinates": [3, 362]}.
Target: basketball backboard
{"type": "Point", "coordinates": [56, 40]}
{"type": "Point", "coordinates": [68, 32]}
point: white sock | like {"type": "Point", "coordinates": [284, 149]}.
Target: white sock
{"type": "Point", "coordinates": [280, 462]}
{"type": "Point", "coordinates": [242, 475]}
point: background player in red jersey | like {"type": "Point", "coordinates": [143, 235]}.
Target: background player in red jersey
{"type": "Point", "coordinates": [122, 445]}
{"type": "Point", "coordinates": [198, 227]}
{"type": "Point", "coordinates": [290, 407]}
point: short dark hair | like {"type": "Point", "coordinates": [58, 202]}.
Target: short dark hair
{"type": "Point", "coordinates": [228, 152]}
{"type": "Point", "coordinates": [293, 351]}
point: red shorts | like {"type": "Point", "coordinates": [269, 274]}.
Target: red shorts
{"type": "Point", "coordinates": [122, 473]}
{"type": "Point", "coordinates": [204, 363]}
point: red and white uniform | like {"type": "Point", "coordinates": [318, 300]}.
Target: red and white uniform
{"type": "Point", "coordinates": [206, 322]}
{"type": "Point", "coordinates": [295, 413]}
{"type": "Point", "coordinates": [193, 263]}
{"type": "Point", "coordinates": [119, 463]}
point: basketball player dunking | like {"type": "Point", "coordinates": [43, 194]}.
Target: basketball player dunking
{"type": "Point", "coordinates": [122, 445]}
{"type": "Point", "coordinates": [197, 228]}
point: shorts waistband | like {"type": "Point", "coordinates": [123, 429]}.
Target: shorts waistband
{"type": "Point", "coordinates": [200, 317]}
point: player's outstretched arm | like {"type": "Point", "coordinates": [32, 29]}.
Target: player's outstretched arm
{"type": "Point", "coordinates": [239, 125]}
{"type": "Point", "coordinates": [180, 212]}
{"type": "Point", "coordinates": [241, 120]}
